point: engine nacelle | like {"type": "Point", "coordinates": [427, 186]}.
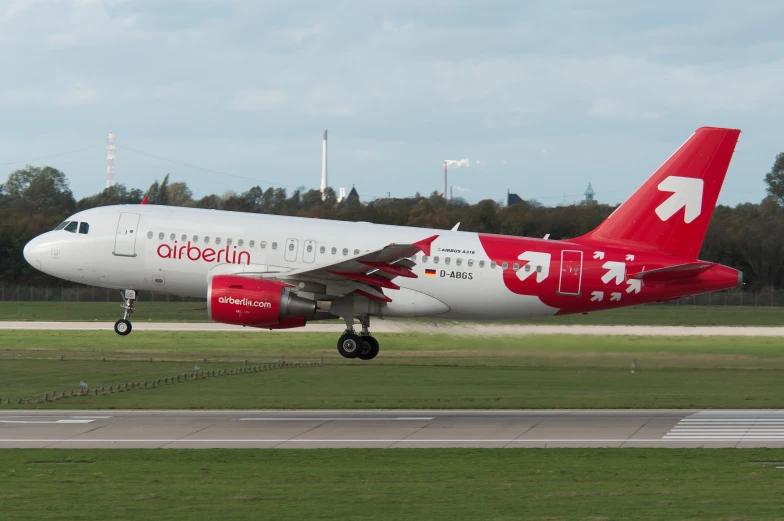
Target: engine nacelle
{"type": "Point", "coordinates": [245, 301]}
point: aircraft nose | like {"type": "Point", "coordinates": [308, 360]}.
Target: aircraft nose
{"type": "Point", "coordinates": [32, 253]}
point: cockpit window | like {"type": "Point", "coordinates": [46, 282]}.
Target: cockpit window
{"type": "Point", "coordinates": [62, 225]}
{"type": "Point", "coordinates": [71, 227]}
{"type": "Point", "coordinates": [84, 228]}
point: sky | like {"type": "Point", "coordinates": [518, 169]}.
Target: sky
{"type": "Point", "coordinates": [541, 97]}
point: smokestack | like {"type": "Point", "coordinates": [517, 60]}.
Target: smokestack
{"type": "Point", "coordinates": [324, 166]}
{"type": "Point", "coordinates": [445, 179]}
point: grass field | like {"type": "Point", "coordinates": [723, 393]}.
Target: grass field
{"type": "Point", "coordinates": [413, 371]}
{"type": "Point", "coordinates": [670, 315]}
{"type": "Point", "coordinates": [353, 484]}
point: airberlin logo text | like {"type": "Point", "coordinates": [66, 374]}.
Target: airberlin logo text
{"type": "Point", "coordinates": [245, 302]}
{"type": "Point", "coordinates": [228, 255]}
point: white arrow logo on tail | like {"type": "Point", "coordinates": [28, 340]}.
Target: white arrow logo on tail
{"type": "Point", "coordinates": [538, 263]}
{"type": "Point", "coordinates": [615, 270]}
{"type": "Point", "coordinates": [614, 297]}
{"type": "Point", "coordinates": [629, 257]}
{"type": "Point", "coordinates": [597, 296]}
{"type": "Point", "coordinates": [598, 255]}
{"type": "Point", "coordinates": [635, 285]}
{"type": "Point", "coordinates": [686, 193]}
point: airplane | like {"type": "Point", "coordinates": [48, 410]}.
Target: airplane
{"type": "Point", "coordinates": [276, 272]}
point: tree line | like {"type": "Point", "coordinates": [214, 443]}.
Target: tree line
{"type": "Point", "coordinates": [749, 236]}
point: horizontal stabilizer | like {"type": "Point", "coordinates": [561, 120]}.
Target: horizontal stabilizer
{"type": "Point", "coordinates": [670, 273]}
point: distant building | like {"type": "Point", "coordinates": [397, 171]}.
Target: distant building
{"type": "Point", "coordinates": [512, 199]}
{"type": "Point", "coordinates": [353, 196]}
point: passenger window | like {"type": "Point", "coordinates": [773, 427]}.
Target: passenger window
{"type": "Point", "coordinates": [149, 235]}
{"type": "Point", "coordinates": [195, 238]}
{"type": "Point", "coordinates": [183, 237]}
{"type": "Point", "coordinates": [504, 265]}
{"type": "Point", "coordinates": [71, 227]}
{"type": "Point", "coordinates": [435, 260]}
{"type": "Point", "coordinates": [263, 244]}
{"type": "Point", "coordinates": [310, 248]}
{"type": "Point", "coordinates": [516, 266]}
{"type": "Point", "coordinates": [274, 245]}
{"type": "Point", "coordinates": [172, 237]}
{"type": "Point", "coordinates": [470, 262]}
{"type": "Point", "coordinates": [217, 240]}
{"type": "Point", "coordinates": [446, 261]}
{"type": "Point", "coordinates": [481, 264]}
{"type": "Point", "coordinates": [322, 249]}
{"type": "Point", "coordinates": [493, 265]}
{"type": "Point", "coordinates": [424, 259]}
{"type": "Point", "coordinates": [458, 261]}
{"type": "Point", "coordinates": [160, 236]}
{"type": "Point", "coordinates": [356, 252]}
{"type": "Point", "coordinates": [228, 241]}
{"type": "Point", "coordinates": [538, 269]}
{"type": "Point", "coordinates": [206, 239]}
{"type": "Point", "coordinates": [334, 250]}
{"type": "Point", "coordinates": [240, 242]}
{"type": "Point", "coordinates": [84, 228]}
{"type": "Point", "coordinates": [252, 244]}
{"type": "Point", "coordinates": [61, 225]}
{"type": "Point", "coordinates": [291, 246]}
{"type": "Point", "coordinates": [345, 251]}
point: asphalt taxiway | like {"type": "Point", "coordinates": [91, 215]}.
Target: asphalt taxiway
{"type": "Point", "coordinates": [390, 428]}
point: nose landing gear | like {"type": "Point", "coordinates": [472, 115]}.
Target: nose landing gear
{"type": "Point", "coordinates": [123, 326]}
{"type": "Point", "coordinates": [362, 346]}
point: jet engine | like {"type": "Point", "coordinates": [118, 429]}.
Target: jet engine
{"type": "Point", "coordinates": [245, 301]}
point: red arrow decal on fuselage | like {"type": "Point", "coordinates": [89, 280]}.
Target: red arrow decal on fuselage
{"type": "Point", "coordinates": [574, 276]}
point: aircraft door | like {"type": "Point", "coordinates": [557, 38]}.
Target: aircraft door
{"type": "Point", "coordinates": [291, 250]}
{"type": "Point", "coordinates": [309, 254]}
{"type": "Point", "coordinates": [571, 272]}
{"type": "Point", "coordinates": [125, 239]}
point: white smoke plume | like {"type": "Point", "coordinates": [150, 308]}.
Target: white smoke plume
{"type": "Point", "coordinates": [489, 162]}
{"type": "Point", "coordinates": [458, 163]}
{"type": "Point", "coordinates": [460, 188]}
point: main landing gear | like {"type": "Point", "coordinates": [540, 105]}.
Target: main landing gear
{"type": "Point", "coordinates": [362, 346]}
{"type": "Point", "coordinates": [123, 326]}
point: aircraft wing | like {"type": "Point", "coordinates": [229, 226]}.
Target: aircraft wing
{"type": "Point", "coordinates": [367, 274]}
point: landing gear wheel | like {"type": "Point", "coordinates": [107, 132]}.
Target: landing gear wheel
{"type": "Point", "coordinates": [349, 345]}
{"type": "Point", "coordinates": [122, 327]}
{"type": "Point", "coordinates": [369, 348]}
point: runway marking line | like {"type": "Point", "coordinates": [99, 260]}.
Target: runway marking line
{"type": "Point", "coordinates": [56, 422]}
{"type": "Point", "coordinates": [333, 419]}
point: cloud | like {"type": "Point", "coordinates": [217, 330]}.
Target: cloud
{"type": "Point", "coordinates": [77, 96]}
{"type": "Point", "coordinates": [255, 100]}
{"type": "Point", "coordinates": [301, 35]}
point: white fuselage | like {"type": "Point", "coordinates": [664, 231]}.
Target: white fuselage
{"type": "Point", "coordinates": [177, 251]}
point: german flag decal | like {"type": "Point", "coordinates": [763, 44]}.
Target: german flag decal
{"type": "Point", "coordinates": [430, 273]}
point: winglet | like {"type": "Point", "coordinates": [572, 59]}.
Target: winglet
{"type": "Point", "coordinates": [424, 244]}
{"type": "Point", "coordinates": [145, 200]}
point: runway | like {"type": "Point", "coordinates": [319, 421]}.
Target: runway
{"type": "Point", "coordinates": [397, 326]}
{"type": "Point", "coordinates": [391, 429]}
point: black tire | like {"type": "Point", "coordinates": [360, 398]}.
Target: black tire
{"type": "Point", "coordinates": [349, 345]}
{"type": "Point", "coordinates": [123, 327]}
{"type": "Point", "coordinates": [370, 348]}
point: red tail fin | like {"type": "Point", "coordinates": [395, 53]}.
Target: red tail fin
{"type": "Point", "coordinates": [670, 212]}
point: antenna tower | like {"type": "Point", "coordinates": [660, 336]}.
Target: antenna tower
{"type": "Point", "coordinates": [111, 149]}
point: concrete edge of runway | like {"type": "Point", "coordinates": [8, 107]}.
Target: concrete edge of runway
{"type": "Point", "coordinates": [387, 326]}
